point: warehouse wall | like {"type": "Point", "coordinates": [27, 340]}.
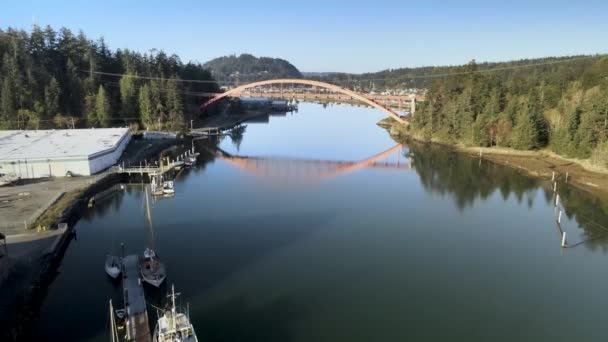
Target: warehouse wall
{"type": "Point", "coordinates": [45, 168]}
{"type": "Point", "coordinates": [104, 161]}
{"type": "Point", "coordinates": [58, 167]}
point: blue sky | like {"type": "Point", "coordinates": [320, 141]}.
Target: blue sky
{"type": "Point", "coordinates": [349, 36]}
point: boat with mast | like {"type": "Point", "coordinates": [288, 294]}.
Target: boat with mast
{"type": "Point", "coordinates": [173, 325]}
{"type": "Point", "coordinates": [152, 269]}
{"type": "Point", "coordinates": [113, 265]}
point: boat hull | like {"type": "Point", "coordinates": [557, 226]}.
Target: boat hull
{"type": "Point", "coordinates": [112, 266]}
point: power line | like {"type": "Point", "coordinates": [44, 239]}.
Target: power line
{"type": "Point", "coordinates": [149, 77]}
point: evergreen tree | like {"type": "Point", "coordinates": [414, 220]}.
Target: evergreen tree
{"type": "Point", "coordinates": [175, 107]}
{"type": "Point", "coordinates": [128, 97]}
{"type": "Point", "coordinates": [102, 108]}
{"type": "Point", "coordinates": [7, 104]}
{"type": "Point", "coordinates": [145, 106]}
{"type": "Point", "coordinates": [52, 93]}
{"type": "Point", "coordinates": [525, 132]}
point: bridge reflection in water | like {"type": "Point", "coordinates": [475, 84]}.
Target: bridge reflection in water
{"type": "Point", "coordinates": [311, 170]}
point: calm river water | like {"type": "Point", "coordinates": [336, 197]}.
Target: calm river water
{"type": "Point", "coordinates": [300, 242]}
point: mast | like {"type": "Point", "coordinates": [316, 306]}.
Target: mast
{"type": "Point", "coordinates": [173, 313]}
{"type": "Point", "coordinates": [113, 324]}
{"type": "Point", "coordinates": [149, 219]}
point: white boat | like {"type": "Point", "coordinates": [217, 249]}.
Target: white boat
{"type": "Point", "coordinates": [174, 326]}
{"type": "Point", "coordinates": [113, 266]}
{"type": "Point", "coordinates": [168, 188]}
{"type": "Point", "coordinates": [152, 269]}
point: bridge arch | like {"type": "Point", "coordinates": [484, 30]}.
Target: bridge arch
{"type": "Point", "coordinates": [319, 84]}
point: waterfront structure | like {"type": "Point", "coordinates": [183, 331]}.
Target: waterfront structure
{"type": "Point", "coordinates": [136, 315]}
{"type": "Point", "coordinates": [59, 153]}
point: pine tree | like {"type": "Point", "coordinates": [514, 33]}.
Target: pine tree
{"type": "Point", "coordinates": [52, 92]}
{"type": "Point", "coordinates": [7, 104]}
{"type": "Point", "coordinates": [128, 97]}
{"type": "Point", "coordinates": [175, 107]}
{"type": "Point", "coordinates": [525, 132]}
{"type": "Point", "coordinates": [586, 134]}
{"type": "Point", "coordinates": [146, 109]}
{"type": "Point", "coordinates": [102, 108]}
{"type": "Point", "coordinates": [90, 110]}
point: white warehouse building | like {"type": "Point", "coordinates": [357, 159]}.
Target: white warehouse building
{"type": "Point", "coordinates": [55, 153]}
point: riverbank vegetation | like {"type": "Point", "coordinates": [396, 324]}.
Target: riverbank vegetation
{"type": "Point", "coordinates": [559, 106]}
{"type": "Point", "coordinates": [58, 79]}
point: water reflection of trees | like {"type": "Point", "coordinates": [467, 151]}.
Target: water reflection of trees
{"type": "Point", "coordinates": [236, 135]}
{"type": "Point", "coordinates": [590, 213]}
{"type": "Point", "coordinates": [446, 172]}
{"type": "Point", "coordinates": [467, 179]}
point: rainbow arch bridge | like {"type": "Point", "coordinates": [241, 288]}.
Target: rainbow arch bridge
{"type": "Point", "coordinates": [332, 87]}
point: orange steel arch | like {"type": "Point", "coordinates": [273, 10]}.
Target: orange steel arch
{"type": "Point", "coordinates": [329, 86]}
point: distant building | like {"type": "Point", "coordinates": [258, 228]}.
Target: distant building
{"type": "Point", "coordinates": [46, 153]}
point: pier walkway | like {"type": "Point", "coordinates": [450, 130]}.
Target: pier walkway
{"type": "Point", "coordinates": [137, 326]}
{"type": "Point", "coordinates": [149, 170]}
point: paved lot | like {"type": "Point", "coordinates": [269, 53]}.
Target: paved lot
{"type": "Point", "coordinates": [21, 204]}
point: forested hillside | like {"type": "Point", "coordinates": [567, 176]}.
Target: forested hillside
{"type": "Point", "coordinates": [246, 68]}
{"type": "Point", "coordinates": [562, 106]}
{"type": "Point", "coordinates": [422, 77]}
{"type": "Point", "coordinates": [51, 79]}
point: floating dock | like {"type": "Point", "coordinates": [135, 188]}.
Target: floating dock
{"type": "Point", "coordinates": [136, 315]}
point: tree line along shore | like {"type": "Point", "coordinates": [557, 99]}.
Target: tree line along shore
{"type": "Point", "coordinates": [59, 79]}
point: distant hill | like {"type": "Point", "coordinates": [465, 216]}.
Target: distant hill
{"type": "Point", "coordinates": [422, 77]}
{"type": "Point", "coordinates": [247, 67]}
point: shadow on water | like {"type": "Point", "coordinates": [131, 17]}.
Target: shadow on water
{"type": "Point", "coordinates": [237, 319]}
{"type": "Point", "coordinates": [229, 246]}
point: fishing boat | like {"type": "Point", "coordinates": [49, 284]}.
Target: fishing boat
{"type": "Point", "coordinates": [113, 266]}
{"type": "Point", "coordinates": [152, 269]}
{"type": "Point", "coordinates": [168, 188]}
{"type": "Point", "coordinates": [173, 325]}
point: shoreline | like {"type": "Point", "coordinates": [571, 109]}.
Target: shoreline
{"type": "Point", "coordinates": [538, 164]}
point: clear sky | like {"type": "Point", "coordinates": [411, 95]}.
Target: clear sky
{"type": "Point", "coordinates": [349, 36]}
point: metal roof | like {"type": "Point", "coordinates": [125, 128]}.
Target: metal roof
{"type": "Point", "coordinates": [62, 143]}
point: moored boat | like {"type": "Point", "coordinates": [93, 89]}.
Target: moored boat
{"type": "Point", "coordinates": [113, 266]}
{"type": "Point", "coordinates": [173, 325]}
{"type": "Point", "coordinates": [168, 188]}
{"type": "Point", "coordinates": [152, 269]}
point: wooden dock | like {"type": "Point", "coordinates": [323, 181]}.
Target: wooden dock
{"type": "Point", "coordinates": [150, 170]}
{"type": "Point", "coordinates": [136, 314]}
